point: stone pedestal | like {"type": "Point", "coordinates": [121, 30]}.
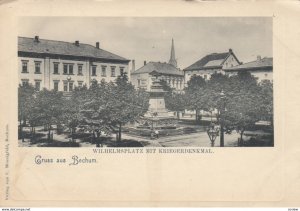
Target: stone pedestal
{"type": "Point", "coordinates": [157, 115]}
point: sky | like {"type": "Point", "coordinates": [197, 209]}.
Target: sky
{"type": "Point", "coordinates": [149, 39]}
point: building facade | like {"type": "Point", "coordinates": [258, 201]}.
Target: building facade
{"type": "Point", "coordinates": [144, 76]}
{"type": "Point", "coordinates": [62, 65]}
{"type": "Point", "coordinates": [261, 69]}
{"type": "Point", "coordinates": [209, 64]}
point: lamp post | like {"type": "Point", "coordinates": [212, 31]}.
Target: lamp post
{"type": "Point", "coordinates": [212, 132]}
{"type": "Point", "coordinates": [222, 110]}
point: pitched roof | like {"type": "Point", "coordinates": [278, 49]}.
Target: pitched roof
{"type": "Point", "coordinates": [163, 68]}
{"type": "Point", "coordinates": [264, 63]}
{"type": "Point", "coordinates": [26, 44]}
{"type": "Point", "coordinates": [214, 60]}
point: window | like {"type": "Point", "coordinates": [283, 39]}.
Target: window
{"type": "Point", "coordinates": [55, 85]}
{"type": "Point", "coordinates": [65, 86]}
{"type": "Point", "coordinates": [121, 70]}
{"type": "Point", "coordinates": [80, 83]}
{"type": "Point", "coordinates": [65, 69]}
{"type": "Point", "coordinates": [71, 69]}
{"type": "Point", "coordinates": [37, 85]}
{"type": "Point", "coordinates": [37, 67]}
{"type": "Point", "coordinates": [139, 82]}
{"type": "Point", "coordinates": [113, 71]}
{"type": "Point", "coordinates": [68, 69]}
{"type": "Point", "coordinates": [103, 71]}
{"type": "Point", "coordinates": [55, 68]}
{"type": "Point", "coordinates": [70, 86]}
{"type": "Point", "coordinates": [25, 82]}
{"type": "Point", "coordinates": [143, 82]}
{"type": "Point", "coordinates": [24, 67]}
{"type": "Point", "coordinates": [94, 70]}
{"type": "Point", "coordinates": [80, 69]}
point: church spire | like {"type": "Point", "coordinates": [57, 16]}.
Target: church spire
{"type": "Point", "coordinates": [172, 60]}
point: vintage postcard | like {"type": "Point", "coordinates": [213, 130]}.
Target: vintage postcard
{"type": "Point", "coordinates": [107, 104]}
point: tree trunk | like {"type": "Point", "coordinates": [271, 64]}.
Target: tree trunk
{"type": "Point", "coordinates": [98, 144]}
{"type": "Point", "coordinates": [71, 130]}
{"type": "Point", "coordinates": [31, 134]}
{"type": "Point", "coordinates": [218, 114]}
{"type": "Point", "coordinates": [58, 128]}
{"type": "Point", "coordinates": [197, 113]}
{"type": "Point", "coordinates": [241, 137]}
{"type": "Point", "coordinates": [120, 133]}
{"type": "Point", "coordinates": [24, 121]}
{"type": "Point", "coordinates": [21, 131]}
{"type": "Point", "coordinates": [221, 135]}
{"type": "Point", "coordinates": [49, 130]}
{"type": "Point", "coordinates": [94, 137]}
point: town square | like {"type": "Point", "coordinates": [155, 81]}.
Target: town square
{"type": "Point", "coordinates": [147, 83]}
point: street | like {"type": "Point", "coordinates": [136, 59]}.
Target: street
{"type": "Point", "coordinates": [199, 139]}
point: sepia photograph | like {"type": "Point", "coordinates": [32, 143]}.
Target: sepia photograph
{"type": "Point", "coordinates": [145, 82]}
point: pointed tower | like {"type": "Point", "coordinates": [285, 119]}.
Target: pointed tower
{"type": "Point", "coordinates": [172, 60]}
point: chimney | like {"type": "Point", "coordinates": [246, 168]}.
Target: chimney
{"type": "Point", "coordinates": [97, 45]}
{"type": "Point", "coordinates": [77, 43]}
{"type": "Point", "coordinates": [133, 65]}
{"type": "Point", "coordinates": [145, 63]}
{"type": "Point", "coordinates": [230, 50]}
{"type": "Point", "coordinates": [36, 39]}
{"type": "Point", "coordinates": [258, 58]}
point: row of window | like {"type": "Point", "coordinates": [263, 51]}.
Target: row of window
{"type": "Point", "coordinates": [103, 71]}
{"type": "Point", "coordinates": [68, 86]}
{"type": "Point", "coordinates": [173, 83]}
{"type": "Point", "coordinates": [37, 84]}
{"type": "Point", "coordinates": [69, 70]}
{"type": "Point", "coordinates": [37, 67]}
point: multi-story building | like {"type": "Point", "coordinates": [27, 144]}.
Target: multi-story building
{"type": "Point", "coordinates": [261, 69]}
{"type": "Point", "coordinates": [212, 63]}
{"type": "Point", "coordinates": [144, 76]}
{"type": "Point", "coordinates": [63, 65]}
